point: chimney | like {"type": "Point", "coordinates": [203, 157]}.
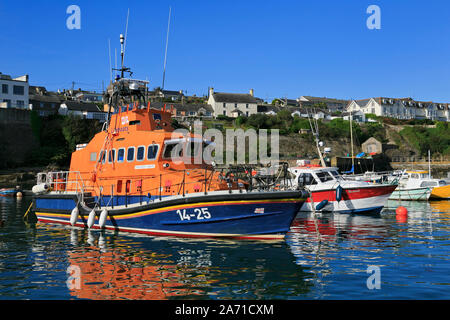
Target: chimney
{"type": "Point", "coordinates": [211, 91]}
{"type": "Point", "coordinates": [252, 92]}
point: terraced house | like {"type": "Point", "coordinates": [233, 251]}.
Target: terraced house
{"type": "Point", "coordinates": [401, 108]}
{"type": "Point", "coordinates": [232, 104]}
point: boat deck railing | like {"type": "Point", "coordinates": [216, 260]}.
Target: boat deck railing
{"type": "Point", "coordinates": [104, 190]}
{"type": "Point", "coordinates": [65, 181]}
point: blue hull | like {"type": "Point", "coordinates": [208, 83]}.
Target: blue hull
{"type": "Point", "coordinates": [247, 215]}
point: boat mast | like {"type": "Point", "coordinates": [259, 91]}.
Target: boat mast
{"type": "Point", "coordinates": [429, 164]}
{"type": "Point", "coordinates": [351, 142]}
{"type": "Point", "coordinates": [315, 132]}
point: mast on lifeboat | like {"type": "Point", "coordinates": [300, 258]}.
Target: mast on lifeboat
{"type": "Point", "coordinates": [123, 91]}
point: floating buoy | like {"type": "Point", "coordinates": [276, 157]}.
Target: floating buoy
{"type": "Point", "coordinates": [339, 193]}
{"type": "Point", "coordinates": [321, 204]}
{"type": "Point", "coordinates": [19, 195]}
{"type": "Point", "coordinates": [74, 216]}
{"type": "Point", "coordinates": [401, 211]}
{"type": "Point", "coordinates": [102, 219]}
{"type": "Point", "coordinates": [91, 219]}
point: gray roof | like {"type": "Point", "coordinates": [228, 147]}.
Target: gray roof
{"type": "Point", "coordinates": [267, 108]}
{"type": "Point", "coordinates": [325, 99]}
{"type": "Point", "coordinates": [362, 103]}
{"type": "Point", "coordinates": [45, 98]}
{"type": "Point", "coordinates": [81, 106]}
{"type": "Point", "coordinates": [234, 97]}
{"type": "Point", "coordinates": [182, 107]}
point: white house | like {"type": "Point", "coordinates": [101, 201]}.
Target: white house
{"type": "Point", "coordinates": [14, 92]}
{"type": "Point", "coordinates": [81, 109]}
{"type": "Point", "coordinates": [227, 103]}
{"type": "Point", "coordinates": [404, 108]}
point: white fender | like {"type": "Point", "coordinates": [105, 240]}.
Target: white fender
{"type": "Point", "coordinates": [91, 219]}
{"type": "Point", "coordinates": [74, 216]}
{"type": "Point", "coordinates": [40, 188]}
{"type": "Point", "coordinates": [102, 219]}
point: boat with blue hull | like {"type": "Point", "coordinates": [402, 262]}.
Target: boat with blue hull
{"type": "Point", "coordinates": [246, 215]}
{"type": "Point", "coordinates": [141, 175]}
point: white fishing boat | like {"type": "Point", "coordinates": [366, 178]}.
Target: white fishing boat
{"type": "Point", "coordinates": [332, 192]}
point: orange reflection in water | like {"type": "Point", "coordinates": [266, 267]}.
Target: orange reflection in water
{"type": "Point", "coordinates": [116, 274]}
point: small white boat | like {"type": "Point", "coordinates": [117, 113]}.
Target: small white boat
{"type": "Point", "coordinates": [413, 185]}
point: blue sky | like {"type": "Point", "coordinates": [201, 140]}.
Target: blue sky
{"type": "Point", "coordinates": [278, 48]}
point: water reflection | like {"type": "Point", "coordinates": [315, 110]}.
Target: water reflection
{"type": "Point", "coordinates": [323, 257]}
{"type": "Point", "coordinates": [117, 266]}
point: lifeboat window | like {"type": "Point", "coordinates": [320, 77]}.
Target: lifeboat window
{"type": "Point", "coordinates": [119, 186]}
{"type": "Point", "coordinates": [156, 116]}
{"type": "Point", "coordinates": [140, 153]}
{"type": "Point", "coordinates": [134, 122]}
{"type": "Point", "coordinates": [193, 148]}
{"type": "Point", "coordinates": [112, 155]}
{"type": "Point", "coordinates": [121, 155]}
{"type": "Point", "coordinates": [130, 154]}
{"type": "Point", "coordinates": [173, 150]}
{"type": "Point", "coordinates": [102, 157]}
{"type": "Point", "coordinates": [93, 156]}
{"type": "Point", "coordinates": [152, 151]}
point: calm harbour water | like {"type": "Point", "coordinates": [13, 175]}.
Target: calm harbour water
{"type": "Point", "coordinates": [321, 258]}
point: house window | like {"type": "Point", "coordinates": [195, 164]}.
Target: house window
{"type": "Point", "coordinates": [121, 155]}
{"type": "Point", "coordinates": [140, 153]}
{"type": "Point", "coordinates": [130, 154]}
{"type": "Point", "coordinates": [224, 105]}
{"type": "Point", "coordinates": [4, 88]}
{"type": "Point", "coordinates": [246, 113]}
{"type": "Point", "coordinates": [20, 103]}
{"type": "Point", "coordinates": [246, 105]}
{"type": "Point", "coordinates": [224, 112]}
{"type": "Point", "coordinates": [19, 90]}
{"type": "Point", "coordinates": [152, 152]}
{"type": "Point", "coordinates": [235, 105]}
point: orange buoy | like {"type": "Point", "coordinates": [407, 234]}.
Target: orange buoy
{"type": "Point", "coordinates": [401, 211]}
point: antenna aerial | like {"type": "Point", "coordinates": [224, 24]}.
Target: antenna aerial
{"type": "Point", "coordinates": [110, 64]}
{"type": "Point", "coordinates": [126, 34]}
{"type": "Point", "coordinates": [167, 44]}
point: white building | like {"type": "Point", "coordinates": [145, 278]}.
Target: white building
{"type": "Point", "coordinates": [404, 108]}
{"type": "Point", "coordinates": [14, 92]}
{"type": "Point", "coordinates": [227, 103]}
{"type": "Point", "coordinates": [82, 109]}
